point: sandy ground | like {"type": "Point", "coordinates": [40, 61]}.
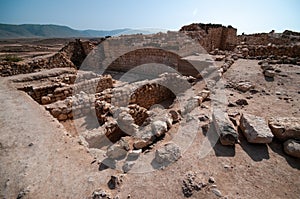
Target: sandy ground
{"type": "Point", "coordinates": [36, 155]}
{"type": "Point", "coordinates": [39, 158]}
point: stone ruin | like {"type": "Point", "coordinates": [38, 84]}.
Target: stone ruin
{"type": "Point", "coordinates": [212, 36]}
{"type": "Point", "coordinates": [134, 116]}
{"type": "Point", "coordinates": [71, 56]}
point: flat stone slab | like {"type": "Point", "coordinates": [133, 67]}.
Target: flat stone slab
{"type": "Point", "coordinates": [255, 129]}
{"type": "Point", "coordinates": [285, 128]}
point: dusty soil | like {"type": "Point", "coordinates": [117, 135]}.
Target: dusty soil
{"type": "Point", "coordinates": [42, 158]}
{"type": "Point", "coordinates": [31, 49]}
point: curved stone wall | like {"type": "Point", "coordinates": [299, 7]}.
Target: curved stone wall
{"type": "Point", "coordinates": [138, 57]}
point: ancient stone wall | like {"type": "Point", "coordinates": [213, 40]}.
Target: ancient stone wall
{"type": "Point", "coordinates": [151, 94]}
{"type": "Point", "coordinates": [138, 113]}
{"type": "Point", "coordinates": [285, 38]}
{"type": "Point", "coordinates": [12, 68]}
{"type": "Point", "coordinates": [131, 93]}
{"type": "Point", "coordinates": [152, 55]}
{"type": "Point", "coordinates": [59, 91]}
{"type": "Point", "coordinates": [164, 48]}
{"type": "Point", "coordinates": [212, 36]}
{"type": "Point", "coordinates": [140, 96]}
{"type": "Point", "coordinates": [260, 51]}
{"type": "Point", "coordinates": [75, 106]}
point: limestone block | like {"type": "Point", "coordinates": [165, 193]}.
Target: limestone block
{"type": "Point", "coordinates": [255, 129]}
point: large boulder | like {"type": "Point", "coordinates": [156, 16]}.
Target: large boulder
{"type": "Point", "coordinates": [255, 129]}
{"type": "Point", "coordinates": [292, 148]}
{"type": "Point", "coordinates": [285, 128]}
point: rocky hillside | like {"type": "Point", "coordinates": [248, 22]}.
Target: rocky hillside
{"type": "Point", "coordinates": [8, 31]}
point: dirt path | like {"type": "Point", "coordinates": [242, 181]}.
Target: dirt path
{"type": "Point", "coordinates": [36, 155]}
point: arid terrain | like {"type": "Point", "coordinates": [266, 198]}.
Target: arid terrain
{"type": "Point", "coordinates": [196, 113]}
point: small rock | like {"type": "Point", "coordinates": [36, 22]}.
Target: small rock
{"type": "Point", "coordinates": [255, 129]}
{"type": "Point", "coordinates": [241, 102]}
{"type": "Point", "coordinates": [230, 104]}
{"type": "Point", "coordinates": [204, 106]}
{"type": "Point", "coordinates": [277, 70]}
{"type": "Point", "coordinates": [203, 118]}
{"type": "Point", "coordinates": [115, 181]}
{"type": "Point", "coordinates": [245, 52]}
{"type": "Point", "coordinates": [140, 143]}
{"type": "Point", "coordinates": [292, 148]}
{"type": "Point", "coordinates": [116, 151]}
{"type": "Point", "coordinates": [226, 166]}
{"type": "Point", "coordinates": [219, 57]}
{"type": "Point", "coordinates": [235, 56]}
{"type": "Point", "coordinates": [175, 115]}
{"type": "Point", "coordinates": [134, 154]}
{"type": "Point", "coordinates": [23, 193]}
{"type": "Point", "coordinates": [269, 73]}
{"type": "Point", "coordinates": [127, 166]}
{"type": "Point", "coordinates": [213, 186]}
{"type": "Point", "coordinates": [159, 128]}
{"type": "Point", "coordinates": [266, 66]}
{"type": "Point", "coordinates": [169, 153]}
{"type": "Point", "coordinates": [211, 180]}
{"type": "Point", "coordinates": [62, 117]}
{"type": "Point", "coordinates": [217, 192]}
{"type": "Point", "coordinates": [253, 91]}
{"type": "Point", "coordinates": [100, 194]}
{"type": "Point", "coordinates": [124, 143]}
{"type": "Point", "coordinates": [205, 128]}
{"type": "Point", "coordinates": [46, 100]}
{"type": "Point", "coordinates": [244, 86]}
{"type": "Point", "coordinates": [55, 112]}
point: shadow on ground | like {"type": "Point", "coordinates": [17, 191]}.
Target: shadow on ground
{"type": "Point", "coordinates": [277, 147]}
{"type": "Point", "coordinates": [256, 152]}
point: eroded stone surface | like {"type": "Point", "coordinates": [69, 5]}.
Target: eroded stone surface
{"type": "Point", "coordinates": [224, 128]}
{"type": "Point", "coordinates": [255, 129]}
{"type": "Point", "coordinates": [285, 127]}
{"type": "Point", "coordinates": [168, 154]}
{"type": "Point", "coordinates": [292, 148]}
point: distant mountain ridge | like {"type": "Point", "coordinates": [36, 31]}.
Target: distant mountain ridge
{"type": "Point", "coordinates": [9, 31]}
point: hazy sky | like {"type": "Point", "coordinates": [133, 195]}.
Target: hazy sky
{"type": "Point", "coordinates": [248, 16]}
